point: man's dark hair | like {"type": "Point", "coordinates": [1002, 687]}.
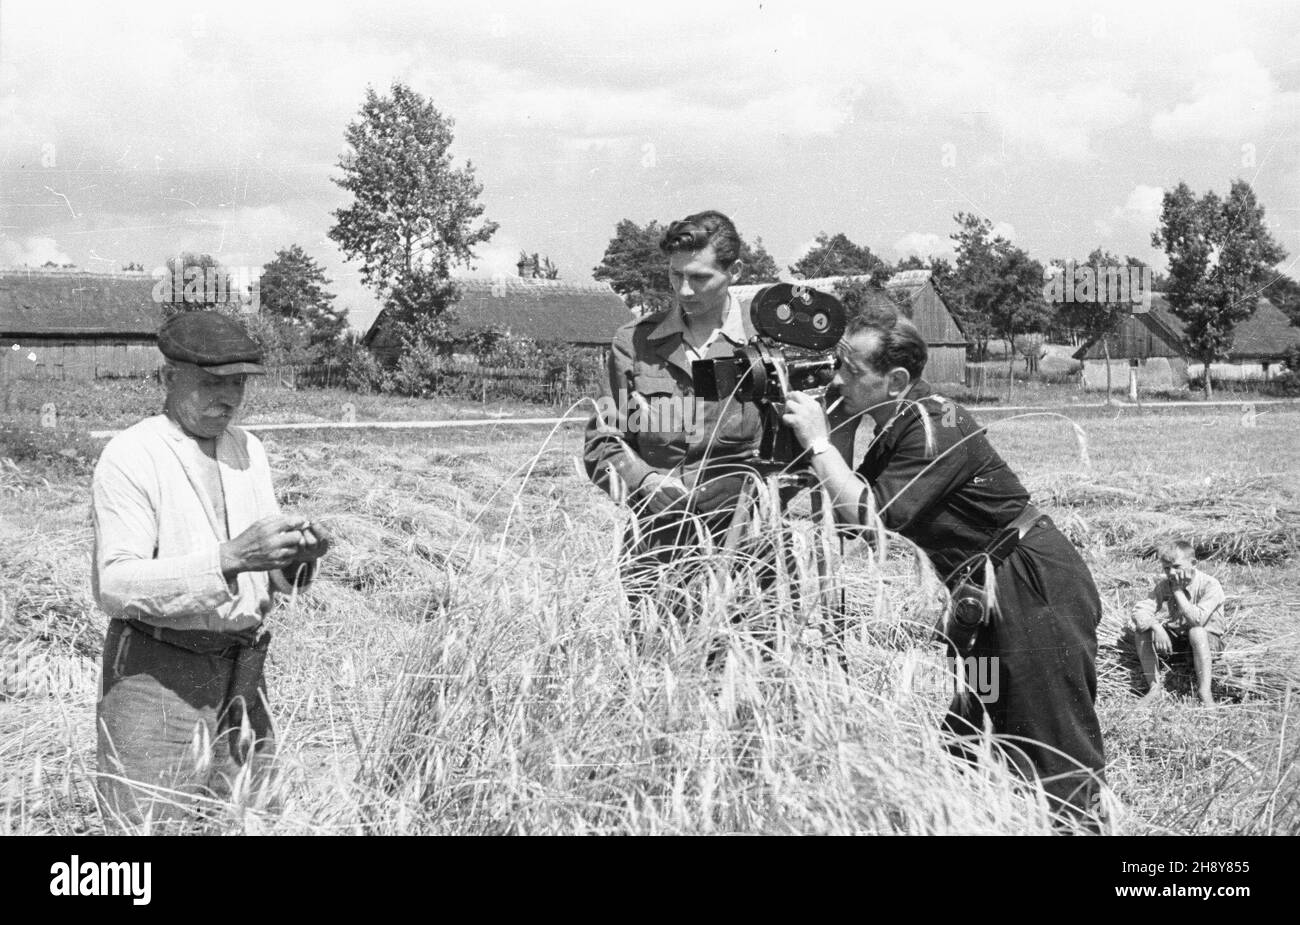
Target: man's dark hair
{"type": "Point", "coordinates": [698, 231]}
{"type": "Point", "coordinates": [898, 342]}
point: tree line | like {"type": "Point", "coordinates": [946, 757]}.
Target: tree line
{"type": "Point", "coordinates": [414, 216]}
{"type": "Point", "coordinates": [1221, 261]}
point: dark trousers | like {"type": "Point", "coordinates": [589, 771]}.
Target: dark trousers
{"type": "Point", "coordinates": [176, 720]}
{"type": "Point", "coordinates": [664, 555]}
{"type": "Point", "coordinates": [1044, 637]}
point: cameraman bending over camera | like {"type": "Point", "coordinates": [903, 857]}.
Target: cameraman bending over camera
{"type": "Point", "coordinates": [676, 459]}
{"type": "Point", "coordinates": [931, 476]}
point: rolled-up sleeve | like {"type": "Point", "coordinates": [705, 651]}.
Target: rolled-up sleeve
{"type": "Point", "coordinates": [129, 580]}
{"type": "Point", "coordinates": [1208, 603]}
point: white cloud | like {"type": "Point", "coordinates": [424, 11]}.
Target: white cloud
{"type": "Point", "coordinates": [1140, 212]}
{"type": "Point", "coordinates": [499, 256]}
{"type": "Point", "coordinates": [1235, 98]}
{"type": "Point", "coordinates": [1144, 204]}
{"type": "Point", "coordinates": [1062, 124]}
{"type": "Point", "coordinates": [804, 248]}
{"type": "Point", "coordinates": [32, 252]}
{"type": "Point", "coordinates": [924, 244]}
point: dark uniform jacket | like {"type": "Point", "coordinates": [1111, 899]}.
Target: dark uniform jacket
{"type": "Point", "coordinates": [651, 421]}
{"type": "Point", "coordinates": [936, 480]}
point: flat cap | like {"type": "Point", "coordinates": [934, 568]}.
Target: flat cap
{"type": "Point", "coordinates": [211, 340]}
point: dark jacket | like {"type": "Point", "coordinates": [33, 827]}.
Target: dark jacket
{"type": "Point", "coordinates": [953, 497]}
{"type": "Point", "coordinates": [651, 421]}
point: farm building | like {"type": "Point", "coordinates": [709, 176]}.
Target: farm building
{"type": "Point", "coordinates": [546, 310]}
{"type": "Point", "coordinates": [1151, 342]}
{"type": "Point", "coordinates": [913, 291]}
{"type": "Point", "coordinates": [66, 324]}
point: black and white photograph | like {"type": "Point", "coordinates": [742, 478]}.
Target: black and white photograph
{"type": "Point", "coordinates": [698, 419]}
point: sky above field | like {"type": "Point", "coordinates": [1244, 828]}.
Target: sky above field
{"type": "Point", "coordinates": [127, 134]}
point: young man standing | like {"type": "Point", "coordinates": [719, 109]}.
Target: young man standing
{"type": "Point", "coordinates": [678, 461]}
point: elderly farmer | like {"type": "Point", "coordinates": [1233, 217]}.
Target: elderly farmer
{"type": "Point", "coordinates": [679, 461]}
{"type": "Point", "coordinates": [931, 476]}
{"type": "Point", "coordinates": [190, 550]}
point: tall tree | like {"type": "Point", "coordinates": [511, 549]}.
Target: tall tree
{"type": "Point", "coordinates": [759, 265]}
{"type": "Point", "coordinates": [1221, 257]}
{"type": "Point", "coordinates": [635, 267]}
{"type": "Point", "coordinates": [294, 290]}
{"type": "Point", "coordinates": [413, 213]}
{"type": "Point", "coordinates": [196, 282]}
{"type": "Point", "coordinates": [836, 255]}
{"type": "Point", "coordinates": [995, 288]}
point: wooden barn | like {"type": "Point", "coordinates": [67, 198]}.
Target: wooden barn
{"type": "Point", "coordinates": [546, 310]}
{"type": "Point", "coordinates": [1151, 343]}
{"type": "Point", "coordinates": [65, 324]}
{"type": "Point", "coordinates": [914, 293]}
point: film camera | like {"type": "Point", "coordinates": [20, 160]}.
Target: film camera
{"type": "Point", "coordinates": [793, 350]}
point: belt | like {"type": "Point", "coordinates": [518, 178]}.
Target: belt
{"type": "Point", "coordinates": [1012, 534]}
{"type": "Point", "coordinates": [201, 642]}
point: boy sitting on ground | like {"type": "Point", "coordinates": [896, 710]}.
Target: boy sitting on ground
{"type": "Point", "coordinates": [1183, 613]}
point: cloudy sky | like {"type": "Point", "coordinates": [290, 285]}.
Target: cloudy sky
{"type": "Point", "coordinates": [129, 132]}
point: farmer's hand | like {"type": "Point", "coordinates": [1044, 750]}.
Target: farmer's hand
{"type": "Point", "coordinates": [661, 491]}
{"type": "Point", "coordinates": [805, 416]}
{"type": "Point", "coordinates": [316, 541]}
{"type": "Point", "coordinates": [1160, 636]}
{"type": "Point", "coordinates": [272, 542]}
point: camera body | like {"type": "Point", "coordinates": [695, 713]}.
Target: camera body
{"type": "Point", "coordinates": [793, 350]}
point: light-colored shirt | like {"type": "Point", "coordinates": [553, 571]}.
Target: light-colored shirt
{"type": "Point", "coordinates": [732, 328]}
{"type": "Point", "coordinates": [157, 537]}
{"type": "Point", "coordinates": [1206, 597]}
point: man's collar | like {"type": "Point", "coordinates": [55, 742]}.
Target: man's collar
{"type": "Point", "coordinates": [173, 431]}
{"type": "Point", "coordinates": [735, 323]}
{"type": "Point", "coordinates": [917, 390]}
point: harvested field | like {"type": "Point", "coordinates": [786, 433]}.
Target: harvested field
{"type": "Point", "coordinates": [464, 664]}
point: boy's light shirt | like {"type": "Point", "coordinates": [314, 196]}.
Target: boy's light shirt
{"type": "Point", "coordinates": [1203, 591]}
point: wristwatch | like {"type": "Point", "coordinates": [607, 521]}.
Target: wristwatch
{"type": "Point", "coordinates": [819, 446]}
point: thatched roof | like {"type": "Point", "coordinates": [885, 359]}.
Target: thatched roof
{"type": "Point", "coordinates": [554, 311]}
{"type": "Point", "coordinates": [1266, 335]}
{"type": "Point", "coordinates": [69, 303]}
{"type": "Point", "coordinates": [912, 291]}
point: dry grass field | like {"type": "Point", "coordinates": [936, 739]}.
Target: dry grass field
{"type": "Point", "coordinates": [464, 663]}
